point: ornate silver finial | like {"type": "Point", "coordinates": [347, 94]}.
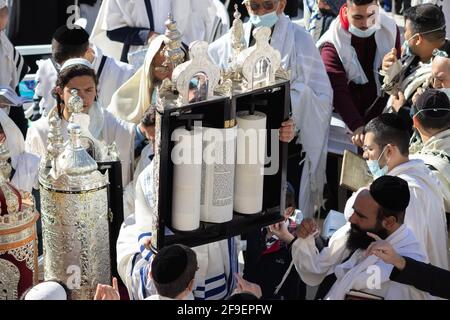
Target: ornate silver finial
{"type": "Point", "coordinates": [260, 62]}
{"type": "Point", "coordinates": [55, 142]}
{"type": "Point", "coordinates": [75, 104]}
{"type": "Point", "coordinates": [172, 51]}
{"type": "Point", "coordinates": [5, 167]}
{"type": "Point", "coordinates": [75, 160]}
{"type": "Point", "coordinates": [237, 37]}
{"type": "Point", "coordinates": [197, 78]}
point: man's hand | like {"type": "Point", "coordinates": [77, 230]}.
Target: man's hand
{"type": "Point", "coordinates": [399, 101]}
{"type": "Point", "coordinates": [106, 292]}
{"type": "Point", "coordinates": [307, 227]}
{"type": "Point", "coordinates": [384, 250]}
{"type": "Point", "coordinates": [389, 59]}
{"type": "Point", "coordinates": [358, 137]}
{"type": "Point", "coordinates": [281, 231]}
{"type": "Point", "coordinates": [287, 131]}
{"type": "Point", "coordinates": [246, 286]}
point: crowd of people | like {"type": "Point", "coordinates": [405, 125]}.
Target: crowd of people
{"type": "Point", "coordinates": [349, 59]}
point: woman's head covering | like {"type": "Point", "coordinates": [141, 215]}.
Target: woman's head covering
{"type": "Point", "coordinates": [134, 97]}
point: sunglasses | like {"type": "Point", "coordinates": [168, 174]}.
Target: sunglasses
{"type": "Point", "coordinates": [267, 5]}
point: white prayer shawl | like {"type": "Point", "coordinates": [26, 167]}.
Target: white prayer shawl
{"type": "Point", "coordinates": [25, 164]}
{"type": "Point", "coordinates": [311, 99]}
{"type": "Point", "coordinates": [425, 214]}
{"type": "Point", "coordinates": [134, 97]}
{"type": "Point", "coordinates": [194, 20]}
{"type": "Point", "coordinates": [385, 39]}
{"type": "Point", "coordinates": [114, 74]}
{"type": "Point", "coordinates": [436, 153]}
{"type": "Point", "coordinates": [104, 127]}
{"type": "Point", "coordinates": [11, 63]}
{"type": "Point", "coordinates": [217, 261]}
{"type": "Point", "coordinates": [129, 193]}
{"type": "Point", "coordinates": [45, 79]}
{"type": "Point", "coordinates": [357, 272]}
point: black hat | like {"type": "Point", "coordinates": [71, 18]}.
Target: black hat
{"type": "Point", "coordinates": [73, 37]}
{"type": "Point", "coordinates": [169, 264]}
{"type": "Point", "coordinates": [434, 103]}
{"type": "Point", "coordinates": [391, 193]}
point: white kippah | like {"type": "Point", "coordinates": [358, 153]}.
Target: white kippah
{"type": "Point", "coordinates": [75, 61]}
{"type": "Point", "coordinates": [3, 3]}
{"type": "Point", "coordinates": [49, 290]}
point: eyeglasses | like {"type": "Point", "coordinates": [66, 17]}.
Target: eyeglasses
{"type": "Point", "coordinates": [267, 5]}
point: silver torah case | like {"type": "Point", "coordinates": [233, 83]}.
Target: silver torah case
{"type": "Point", "coordinates": [74, 207]}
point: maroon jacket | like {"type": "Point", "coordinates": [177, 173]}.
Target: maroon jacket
{"type": "Point", "coordinates": [351, 100]}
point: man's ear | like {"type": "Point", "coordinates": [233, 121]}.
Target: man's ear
{"type": "Point", "coordinates": [191, 285]}
{"type": "Point", "coordinates": [60, 93]}
{"type": "Point", "coordinates": [389, 222]}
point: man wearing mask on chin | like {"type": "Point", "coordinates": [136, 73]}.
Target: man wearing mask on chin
{"type": "Point", "coordinates": [311, 94]}
{"type": "Point", "coordinates": [352, 50]}
{"type": "Point", "coordinates": [386, 143]}
{"type": "Point", "coordinates": [425, 30]}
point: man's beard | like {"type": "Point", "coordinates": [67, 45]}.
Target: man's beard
{"type": "Point", "coordinates": [358, 238]}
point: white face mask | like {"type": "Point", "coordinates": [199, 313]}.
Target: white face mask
{"type": "Point", "coordinates": [362, 33]}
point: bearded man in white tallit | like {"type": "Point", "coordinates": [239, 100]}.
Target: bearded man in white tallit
{"type": "Point", "coordinates": [343, 267]}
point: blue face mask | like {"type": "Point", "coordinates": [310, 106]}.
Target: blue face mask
{"type": "Point", "coordinates": [362, 33]}
{"type": "Point", "coordinates": [266, 20]}
{"type": "Point", "coordinates": [374, 167]}
{"type": "Point", "coordinates": [406, 48]}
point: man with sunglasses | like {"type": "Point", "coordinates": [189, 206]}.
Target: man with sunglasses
{"type": "Point", "coordinates": [352, 50]}
{"type": "Point", "coordinates": [311, 93]}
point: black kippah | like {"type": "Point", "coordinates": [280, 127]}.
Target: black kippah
{"type": "Point", "coordinates": [433, 103]}
{"type": "Point", "coordinates": [169, 264]}
{"type": "Point", "coordinates": [73, 37]}
{"type": "Point", "coordinates": [391, 193]}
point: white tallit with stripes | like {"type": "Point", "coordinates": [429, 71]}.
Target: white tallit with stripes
{"type": "Point", "coordinates": [12, 65]}
{"type": "Point", "coordinates": [217, 261]}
